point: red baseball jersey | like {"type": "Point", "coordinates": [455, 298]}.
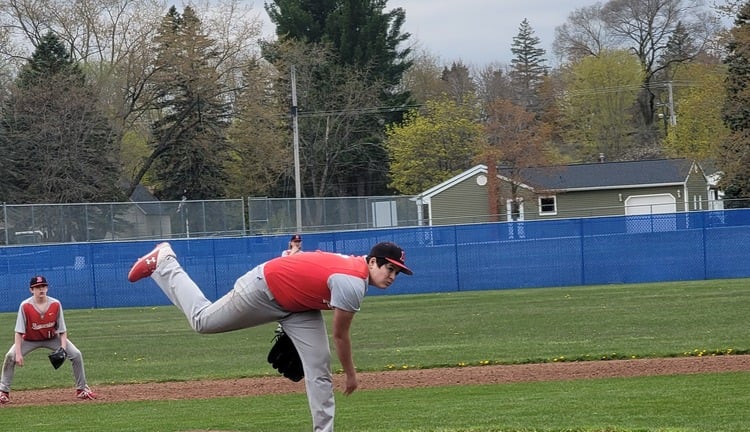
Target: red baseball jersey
{"type": "Point", "coordinates": [304, 281]}
{"type": "Point", "coordinates": [38, 326]}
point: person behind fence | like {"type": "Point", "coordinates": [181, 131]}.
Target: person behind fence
{"type": "Point", "coordinates": [292, 291]}
{"type": "Point", "coordinates": [40, 324]}
{"type": "Point", "coordinates": [294, 247]}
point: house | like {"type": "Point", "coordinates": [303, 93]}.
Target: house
{"type": "Point", "coordinates": [565, 191]}
{"type": "Point", "coordinates": [146, 217]}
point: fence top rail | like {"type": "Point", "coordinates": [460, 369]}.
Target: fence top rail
{"type": "Point", "coordinates": [123, 203]}
{"type": "Point", "coordinates": [371, 198]}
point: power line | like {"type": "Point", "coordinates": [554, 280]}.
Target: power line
{"type": "Point", "coordinates": [357, 111]}
{"type": "Point", "coordinates": [633, 87]}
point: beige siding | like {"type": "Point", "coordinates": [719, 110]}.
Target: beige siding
{"type": "Point", "coordinates": [697, 185]}
{"type": "Point", "coordinates": [608, 202]}
{"type": "Point", "coordinates": [591, 203]}
{"type": "Point", "coordinates": [466, 202]}
{"type": "Point", "coordinates": [530, 204]}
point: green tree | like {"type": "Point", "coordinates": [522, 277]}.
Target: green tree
{"type": "Point", "coordinates": [333, 142]}
{"type": "Point", "coordinates": [260, 138]}
{"type": "Point", "coordinates": [360, 32]}
{"type": "Point", "coordinates": [58, 147]}
{"type": "Point", "coordinates": [596, 107]}
{"type": "Point", "coordinates": [112, 41]}
{"type": "Point", "coordinates": [430, 148]}
{"type": "Point", "coordinates": [365, 39]}
{"type": "Point", "coordinates": [700, 130]}
{"type": "Point", "coordinates": [734, 157]}
{"type": "Point", "coordinates": [528, 68]}
{"type": "Point", "coordinates": [189, 139]}
{"type": "Point", "coordinates": [681, 45]}
{"type": "Point", "coordinates": [660, 34]}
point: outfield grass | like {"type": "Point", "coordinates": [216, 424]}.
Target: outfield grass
{"type": "Point", "coordinates": [420, 331]}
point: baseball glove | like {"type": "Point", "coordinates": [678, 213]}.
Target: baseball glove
{"type": "Point", "coordinates": [285, 358]}
{"type": "Point", "coordinates": [57, 358]}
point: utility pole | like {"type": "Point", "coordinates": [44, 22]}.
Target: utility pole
{"type": "Point", "coordinates": [670, 105]}
{"type": "Point", "coordinates": [295, 127]}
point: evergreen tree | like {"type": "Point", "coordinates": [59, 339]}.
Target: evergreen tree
{"type": "Point", "coordinates": [734, 153]}
{"type": "Point", "coordinates": [364, 39]}
{"type": "Point", "coordinates": [58, 147]}
{"type": "Point", "coordinates": [189, 147]}
{"type": "Point", "coordinates": [679, 47]}
{"type": "Point", "coordinates": [527, 67]}
{"type": "Point", "coordinates": [359, 31]}
{"type": "Point", "coordinates": [332, 141]}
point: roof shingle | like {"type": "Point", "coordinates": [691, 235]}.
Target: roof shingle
{"type": "Point", "coordinates": [605, 175]}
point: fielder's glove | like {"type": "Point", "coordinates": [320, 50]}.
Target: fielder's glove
{"type": "Point", "coordinates": [285, 358]}
{"type": "Point", "coordinates": [57, 358]}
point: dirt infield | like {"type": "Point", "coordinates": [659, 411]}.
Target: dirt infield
{"type": "Point", "coordinates": [491, 374]}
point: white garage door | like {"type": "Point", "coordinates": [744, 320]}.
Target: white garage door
{"type": "Point", "coordinates": [642, 208]}
{"type": "Point", "coordinates": [650, 204]}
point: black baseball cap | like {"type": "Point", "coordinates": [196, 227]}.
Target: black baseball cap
{"type": "Point", "coordinates": [37, 281]}
{"type": "Point", "coordinates": [391, 253]}
{"type": "Point", "coordinates": [296, 237]}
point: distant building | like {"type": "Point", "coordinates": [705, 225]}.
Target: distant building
{"type": "Point", "coordinates": [566, 191]}
{"type": "Point", "coordinates": [148, 217]}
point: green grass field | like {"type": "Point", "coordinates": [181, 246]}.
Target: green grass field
{"type": "Point", "coordinates": [426, 331]}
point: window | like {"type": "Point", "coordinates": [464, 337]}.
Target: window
{"type": "Point", "coordinates": [547, 205]}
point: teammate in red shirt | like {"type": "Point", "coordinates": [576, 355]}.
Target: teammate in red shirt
{"type": "Point", "coordinates": [290, 290]}
{"type": "Point", "coordinates": [40, 324]}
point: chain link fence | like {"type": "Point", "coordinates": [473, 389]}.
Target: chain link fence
{"type": "Point", "coordinates": [279, 215]}
{"type": "Point", "coordinates": [77, 223]}
{"type": "Point", "coordinates": [23, 224]}
{"type": "Point", "coordinates": [73, 223]}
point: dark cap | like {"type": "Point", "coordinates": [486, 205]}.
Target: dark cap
{"type": "Point", "coordinates": [391, 253]}
{"type": "Point", "coordinates": [296, 237]}
{"type": "Point", "coordinates": [37, 281]}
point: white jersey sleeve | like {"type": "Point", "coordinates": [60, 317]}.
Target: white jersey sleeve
{"type": "Point", "coordinates": [347, 291]}
{"type": "Point", "coordinates": [61, 328]}
{"type": "Point", "coordinates": [21, 319]}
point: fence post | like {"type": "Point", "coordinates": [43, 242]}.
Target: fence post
{"type": "Point", "coordinates": [5, 222]}
{"type": "Point", "coordinates": [455, 254]}
{"type": "Point", "coordinates": [704, 221]}
{"type": "Point", "coordinates": [583, 255]}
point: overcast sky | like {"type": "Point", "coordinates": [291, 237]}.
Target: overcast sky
{"type": "Point", "coordinates": [477, 32]}
{"type": "Point", "coordinates": [480, 32]}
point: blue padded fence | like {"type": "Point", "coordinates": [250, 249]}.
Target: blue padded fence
{"type": "Point", "coordinates": [565, 252]}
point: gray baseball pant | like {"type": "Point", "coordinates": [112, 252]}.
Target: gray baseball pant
{"type": "Point", "coordinates": [74, 355]}
{"type": "Point", "coordinates": [250, 304]}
